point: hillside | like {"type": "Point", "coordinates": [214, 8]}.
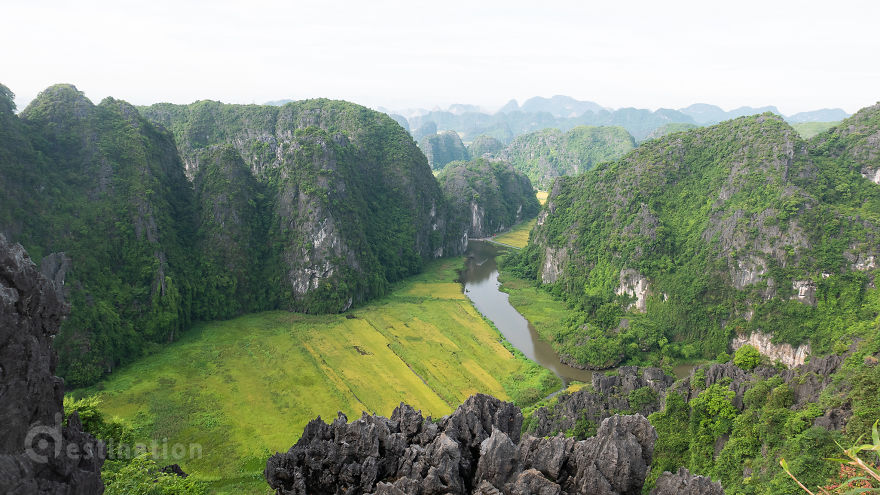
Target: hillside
{"type": "Point", "coordinates": [551, 153]}
{"type": "Point", "coordinates": [246, 387]}
{"type": "Point", "coordinates": [808, 130]}
{"type": "Point", "coordinates": [98, 194]}
{"type": "Point", "coordinates": [314, 206]}
{"type": "Point", "coordinates": [443, 148]}
{"type": "Point", "coordinates": [483, 145]}
{"type": "Point", "coordinates": [487, 196]}
{"type": "Point", "coordinates": [694, 239]}
{"type": "Point", "coordinates": [669, 129]}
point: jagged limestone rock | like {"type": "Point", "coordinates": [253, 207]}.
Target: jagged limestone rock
{"type": "Point", "coordinates": [38, 454]}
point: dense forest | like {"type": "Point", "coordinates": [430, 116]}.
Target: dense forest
{"type": "Point", "coordinates": [693, 239]}
{"type": "Point", "coordinates": [551, 153]}
{"type": "Point", "coordinates": [315, 206]}
{"type": "Point", "coordinates": [443, 148]}
{"type": "Point", "coordinates": [487, 196]}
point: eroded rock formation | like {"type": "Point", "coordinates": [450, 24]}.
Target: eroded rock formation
{"type": "Point", "coordinates": [476, 449]}
{"type": "Point", "coordinates": [38, 455]}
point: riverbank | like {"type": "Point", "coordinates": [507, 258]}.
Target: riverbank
{"type": "Point", "coordinates": [245, 388]}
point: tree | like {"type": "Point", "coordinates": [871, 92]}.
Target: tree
{"type": "Point", "coordinates": [747, 357]}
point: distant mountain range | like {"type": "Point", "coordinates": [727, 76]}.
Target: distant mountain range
{"type": "Point", "coordinates": [564, 113]}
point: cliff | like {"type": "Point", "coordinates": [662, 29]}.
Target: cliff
{"type": "Point", "coordinates": [698, 238]}
{"type": "Point", "coordinates": [443, 148]}
{"type": "Point", "coordinates": [486, 196]}
{"type": "Point", "coordinates": [314, 206]}
{"type": "Point", "coordinates": [38, 454]}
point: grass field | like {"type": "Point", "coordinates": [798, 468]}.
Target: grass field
{"type": "Point", "coordinates": [546, 313]}
{"type": "Point", "coordinates": [246, 387]}
{"type": "Point", "coordinates": [518, 236]}
{"type": "Point", "coordinates": [810, 129]}
{"type": "Point", "coordinates": [542, 197]}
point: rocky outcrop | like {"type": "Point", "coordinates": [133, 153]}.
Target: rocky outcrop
{"type": "Point", "coordinates": [484, 146]}
{"type": "Point", "coordinates": [554, 262]}
{"type": "Point", "coordinates": [635, 285]}
{"type": "Point", "coordinates": [443, 148]}
{"type": "Point", "coordinates": [38, 454]}
{"type": "Point", "coordinates": [804, 291]}
{"type": "Point", "coordinates": [476, 449]}
{"type": "Point", "coordinates": [785, 353]}
{"type": "Point", "coordinates": [607, 396]}
{"type": "Point", "coordinates": [685, 483]}
{"type": "Point", "coordinates": [486, 196]}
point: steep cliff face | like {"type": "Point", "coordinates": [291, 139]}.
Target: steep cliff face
{"type": "Point", "coordinates": [232, 238]}
{"type": "Point", "coordinates": [352, 202]}
{"type": "Point", "coordinates": [716, 233]}
{"type": "Point", "coordinates": [313, 206]}
{"type": "Point", "coordinates": [105, 187]}
{"type": "Point", "coordinates": [477, 449]}
{"type": "Point", "coordinates": [551, 153]}
{"type": "Point", "coordinates": [486, 196]}
{"type": "Point", "coordinates": [38, 455]}
{"type": "Point", "coordinates": [443, 148]}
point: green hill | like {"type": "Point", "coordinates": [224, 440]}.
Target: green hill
{"type": "Point", "coordinates": [669, 129]}
{"type": "Point", "coordinates": [315, 206]}
{"type": "Point", "coordinates": [551, 153]}
{"type": "Point", "coordinates": [443, 148]}
{"type": "Point", "coordinates": [696, 238]}
{"type": "Point", "coordinates": [487, 196]}
{"type": "Point", "coordinates": [483, 145]}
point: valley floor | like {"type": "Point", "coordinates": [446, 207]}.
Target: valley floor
{"type": "Point", "coordinates": [246, 387]}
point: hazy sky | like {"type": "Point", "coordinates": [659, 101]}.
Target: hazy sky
{"type": "Point", "coordinates": [797, 55]}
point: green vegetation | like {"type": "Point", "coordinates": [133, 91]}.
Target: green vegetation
{"type": "Point", "coordinates": [315, 206]}
{"type": "Point", "coordinates": [549, 315]}
{"type": "Point", "coordinates": [550, 153]}
{"type": "Point", "coordinates": [518, 236]}
{"type": "Point", "coordinates": [443, 148]}
{"type": "Point", "coordinates": [725, 226]}
{"type": "Point", "coordinates": [246, 387]}
{"type": "Point", "coordinates": [671, 128]}
{"type": "Point", "coordinates": [142, 476]}
{"type": "Point", "coordinates": [858, 475]}
{"type": "Point", "coordinates": [484, 145]}
{"type": "Point", "coordinates": [809, 130]}
{"type": "Point", "coordinates": [486, 196]}
{"type": "Point", "coordinates": [747, 357]}
{"type": "Point", "coordinates": [741, 449]}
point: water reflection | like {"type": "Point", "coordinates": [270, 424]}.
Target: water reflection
{"type": "Point", "coordinates": [481, 284]}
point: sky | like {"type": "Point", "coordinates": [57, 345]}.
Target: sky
{"type": "Point", "coordinates": [797, 55]}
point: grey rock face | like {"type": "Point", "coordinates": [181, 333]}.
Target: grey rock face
{"type": "Point", "coordinates": [608, 394]}
{"type": "Point", "coordinates": [684, 483]}
{"type": "Point", "coordinates": [477, 449]}
{"type": "Point", "coordinates": [37, 453]}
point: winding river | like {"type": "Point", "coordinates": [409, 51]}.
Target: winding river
{"type": "Point", "coordinates": [481, 286]}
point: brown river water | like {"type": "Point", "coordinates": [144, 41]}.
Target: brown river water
{"type": "Point", "coordinates": [481, 286]}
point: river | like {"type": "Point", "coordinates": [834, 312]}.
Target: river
{"type": "Point", "coordinates": [481, 286]}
